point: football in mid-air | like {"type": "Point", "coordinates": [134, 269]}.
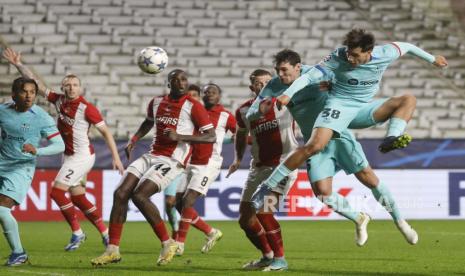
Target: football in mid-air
{"type": "Point", "coordinates": [152, 60]}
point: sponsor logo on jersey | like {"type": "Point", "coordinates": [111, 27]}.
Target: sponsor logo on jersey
{"type": "Point", "coordinates": [65, 119]}
{"type": "Point", "coordinates": [265, 126]}
{"type": "Point", "coordinates": [167, 120]}
{"type": "Point", "coordinates": [357, 82]}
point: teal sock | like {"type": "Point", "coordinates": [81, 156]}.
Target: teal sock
{"type": "Point", "coordinates": [278, 174]}
{"type": "Point", "coordinates": [341, 206]}
{"type": "Point", "coordinates": [175, 221]}
{"type": "Point", "coordinates": [10, 230]}
{"type": "Point", "coordinates": [384, 197]}
{"type": "Point", "coordinates": [396, 127]}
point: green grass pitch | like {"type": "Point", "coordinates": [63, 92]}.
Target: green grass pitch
{"type": "Point", "coordinates": [312, 248]}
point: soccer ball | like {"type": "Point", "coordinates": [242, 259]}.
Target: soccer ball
{"type": "Point", "coordinates": [152, 60]}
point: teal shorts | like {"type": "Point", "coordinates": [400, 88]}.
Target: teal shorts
{"type": "Point", "coordinates": [16, 182]}
{"type": "Point", "coordinates": [338, 113]}
{"type": "Point", "coordinates": [364, 118]}
{"type": "Point", "coordinates": [340, 154]}
{"type": "Point", "coordinates": [170, 190]}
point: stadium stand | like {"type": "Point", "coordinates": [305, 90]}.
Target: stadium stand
{"type": "Point", "coordinates": [223, 41]}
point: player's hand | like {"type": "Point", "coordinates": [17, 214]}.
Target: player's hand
{"type": "Point", "coordinates": [28, 148]}
{"type": "Point", "coordinates": [118, 165]}
{"type": "Point", "coordinates": [265, 106]}
{"type": "Point", "coordinates": [128, 149]}
{"type": "Point", "coordinates": [440, 61]}
{"type": "Point", "coordinates": [12, 56]}
{"type": "Point", "coordinates": [234, 167]}
{"type": "Point", "coordinates": [281, 101]}
{"type": "Point", "coordinates": [325, 86]}
{"type": "Point", "coordinates": [171, 134]}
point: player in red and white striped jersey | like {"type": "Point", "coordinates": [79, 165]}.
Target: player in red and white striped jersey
{"type": "Point", "coordinates": [75, 116]}
{"type": "Point", "coordinates": [177, 120]}
{"type": "Point", "coordinates": [272, 140]}
{"type": "Point", "coordinates": [204, 167]}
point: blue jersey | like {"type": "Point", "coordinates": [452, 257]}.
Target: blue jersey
{"type": "Point", "coordinates": [19, 128]}
{"type": "Point", "coordinates": [362, 82]}
{"type": "Point", "coordinates": [305, 105]}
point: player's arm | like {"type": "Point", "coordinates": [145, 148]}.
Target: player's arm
{"type": "Point", "coordinates": [409, 48]}
{"type": "Point", "coordinates": [240, 144]}
{"type": "Point", "coordinates": [261, 104]}
{"type": "Point", "coordinates": [55, 146]}
{"type": "Point", "coordinates": [144, 128]}
{"type": "Point", "coordinates": [207, 136]}
{"type": "Point", "coordinates": [117, 164]}
{"type": "Point", "coordinates": [14, 58]}
{"type": "Point", "coordinates": [313, 76]}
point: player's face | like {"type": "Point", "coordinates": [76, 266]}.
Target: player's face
{"type": "Point", "coordinates": [178, 83]}
{"type": "Point", "coordinates": [25, 99]}
{"type": "Point", "coordinates": [287, 73]}
{"type": "Point", "coordinates": [194, 94]}
{"type": "Point", "coordinates": [356, 56]}
{"type": "Point", "coordinates": [211, 95]}
{"type": "Point", "coordinates": [71, 87]}
{"type": "Point", "coordinates": [258, 83]}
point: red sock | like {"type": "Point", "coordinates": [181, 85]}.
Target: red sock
{"type": "Point", "coordinates": [90, 211]}
{"type": "Point", "coordinates": [66, 207]}
{"type": "Point", "coordinates": [115, 233]}
{"type": "Point", "coordinates": [200, 224]}
{"type": "Point", "coordinates": [161, 232]}
{"type": "Point", "coordinates": [186, 218]}
{"type": "Point", "coordinates": [257, 235]}
{"type": "Point", "coordinates": [273, 233]}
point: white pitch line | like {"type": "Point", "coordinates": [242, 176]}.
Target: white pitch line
{"type": "Point", "coordinates": [37, 273]}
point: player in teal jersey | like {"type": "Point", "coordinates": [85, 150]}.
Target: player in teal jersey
{"type": "Point", "coordinates": [356, 71]}
{"type": "Point", "coordinates": [340, 153]}
{"type": "Point", "coordinates": [23, 124]}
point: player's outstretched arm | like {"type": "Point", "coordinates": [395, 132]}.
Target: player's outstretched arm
{"type": "Point", "coordinates": [117, 164]}
{"type": "Point", "coordinates": [208, 136]}
{"type": "Point", "coordinates": [240, 144]}
{"type": "Point", "coordinates": [14, 58]}
{"type": "Point", "coordinates": [144, 128]}
{"type": "Point", "coordinates": [313, 76]}
{"type": "Point", "coordinates": [409, 48]}
{"type": "Point", "coordinates": [55, 146]}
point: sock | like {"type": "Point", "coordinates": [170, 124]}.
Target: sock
{"type": "Point", "coordinates": [66, 207]}
{"type": "Point", "coordinates": [200, 224]}
{"type": "Point", "coordinates": [186, 218]}
{"type": "Point", "coordinates": [257, 235]}
{"type": "Point", "coordinates": [396, 127]}
{"type": "Point", "coordinates": [175, 221]}
{"type": "Point", "coordinates": [115, 233]}
{"type": "Point", "coordinates": [273, 233]}
{"type": "Point", "coordinates": [161, 232]}
{"type": "Point", "coordinates": [341, 206]}
{"type": "Point", "coordinates": [384, 197]}
{"type": "Point", "coordinates": [10, 230]}
{"type": "Point", "coordinates": [278, 174]}
{"type": "Point", "coordinates": [90, 211]}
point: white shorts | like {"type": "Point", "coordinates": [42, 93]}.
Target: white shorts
{"type": "Point", "coordinates": [161, 170]}
{"type": "Point", "coordinates": [75, 168]}
{"type": "Point", "coordinates": [258, 174]}
{"type": "Point", "coordinates": [199, 178]}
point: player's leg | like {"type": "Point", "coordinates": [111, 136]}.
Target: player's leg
{"type": "Point", "coordinates": [141, 198]}
{"type": "Point", "coordinates": [119, 210]}
{"type": "Point", "coordinates": [10, 229]}
{"type": "Point", "coordinates": [321, 168]}
{"type": "Point", "coordinates": [398, 110]}
{"type": "Point", "coordinates": [79, 199]}
{"type": "Point", "coordinates": [249, 222]}
{"type": "Point", "coordinates": [382, 194]}
{"type": "Point", "coordinates": [170, 205]}
{"type": "Point", "coordinates": [199, 180]}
